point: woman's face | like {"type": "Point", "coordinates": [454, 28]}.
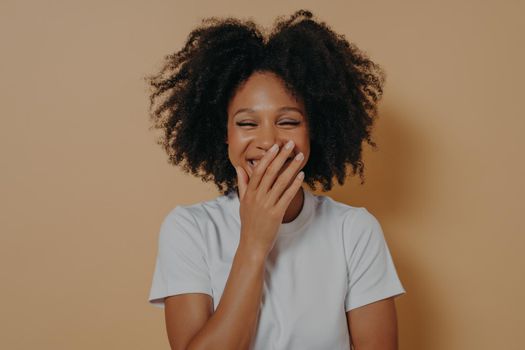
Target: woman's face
{"type": "Point", "coordinates": [260, 114]}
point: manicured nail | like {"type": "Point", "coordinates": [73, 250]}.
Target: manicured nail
{"type": "Point", "coordinates": [274, 148]}
{"type": "Point", "coordinates": [299, 156]}
{"type": "Point", "coordinates": [289, 144]}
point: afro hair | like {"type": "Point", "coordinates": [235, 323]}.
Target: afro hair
{"type": "Point", "coordinates": [339, 85]}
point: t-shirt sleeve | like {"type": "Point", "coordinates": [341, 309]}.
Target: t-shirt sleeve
{"type": "Point", "coordinates": [181, 264]}
{"type": "Point", "coordinates": [372, 275]}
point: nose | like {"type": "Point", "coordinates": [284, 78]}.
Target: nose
{"type": "Point", "coordinates": [267, 136]}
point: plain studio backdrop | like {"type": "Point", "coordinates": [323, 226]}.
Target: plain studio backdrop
{"type": "Point", "coordinates": [84, 187]}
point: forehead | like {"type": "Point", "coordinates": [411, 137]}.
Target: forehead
{"type": "Point", "coordinates": [263, 91]}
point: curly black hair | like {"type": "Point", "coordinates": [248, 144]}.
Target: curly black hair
{"type": "Point", "coordinates": [339, 85]}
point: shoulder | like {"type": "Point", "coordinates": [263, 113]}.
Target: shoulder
{"type": "Point", "coordinates": [186, 219]}
{"type": "Point", "coordinates": [361, 220]}
{"type": "Point", "coordinates": [196, 211]}
{"type": "Point", "coordinates": [355, 221]}
{"type": "Point", "coordinates": [352, 215]}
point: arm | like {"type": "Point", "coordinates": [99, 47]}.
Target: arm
{"type": "Point", "coordinates": [373, 285]}
{"type": "Point", "coordinates": [182, 281]}
{"type": "Point", "coordinates": [233, 324]}
{"type": "Point", "coordinates": [185, 315]}
{"type": "Point", "coordinates": [374, 326]}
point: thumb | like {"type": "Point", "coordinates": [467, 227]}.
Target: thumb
{"type": "Point", "coordinates": [242, 181]}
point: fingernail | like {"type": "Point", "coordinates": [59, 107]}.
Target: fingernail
{"type": "Point", "coordinates": [289, 144]}
{"type": "Point", "coordinates": [299, 156]}
{"type": "Point", "coordinates": [274, 148]}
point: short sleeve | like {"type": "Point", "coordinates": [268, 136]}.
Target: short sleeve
{"type": "Point", "coordinates": [372, 275]}
{"type": "Point", "coordinates": [181, 264]}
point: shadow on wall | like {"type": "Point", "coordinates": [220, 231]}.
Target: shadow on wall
{"type": "Point", "coordinates": [396, 177]}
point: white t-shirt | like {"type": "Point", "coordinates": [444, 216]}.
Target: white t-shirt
{"type": "Point", "coordinates": [330, 259]}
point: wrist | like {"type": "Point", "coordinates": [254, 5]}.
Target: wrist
{"type": "Point", "coordinates": [252, 251]}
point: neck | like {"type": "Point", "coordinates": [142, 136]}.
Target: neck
{"type": "Point", "coordinates": [295, 206]}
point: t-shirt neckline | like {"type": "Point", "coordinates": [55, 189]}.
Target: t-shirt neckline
{"type": "Point", "coordinates": [233, 204]}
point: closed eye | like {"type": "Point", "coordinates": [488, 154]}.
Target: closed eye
{"type": "Point", "coordinates": [245, 124]}
{"type": "Point", "coordinates": [252, 124]}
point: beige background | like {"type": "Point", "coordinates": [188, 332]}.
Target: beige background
{"type": "Point", "coordinates": [84, 187]}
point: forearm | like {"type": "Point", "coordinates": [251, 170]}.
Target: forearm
{"type": "Point", "coordinates": [234, 322]}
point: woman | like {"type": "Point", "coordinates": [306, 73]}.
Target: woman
{"type": "Point", "coordinates": [267, 264]}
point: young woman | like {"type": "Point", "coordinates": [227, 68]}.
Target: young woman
{"type": "Point", "coordinates": [268, 264]}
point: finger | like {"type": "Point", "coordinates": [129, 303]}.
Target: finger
{"type": "Point", "coordinates": [260, 169]}
{"type": "Point", "coordinates": [273, 169]}
{"type": "Point", "coordinates": [290, 192]}
{"type": "Point", "coordinates": [242, 181]}
{"type": "Point", "coordinates": [284, 180]}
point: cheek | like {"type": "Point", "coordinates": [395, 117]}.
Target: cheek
{"type": "Point", "coordinates": [235, 149]}
{"type": "Point", "coordinates": [304, 147]}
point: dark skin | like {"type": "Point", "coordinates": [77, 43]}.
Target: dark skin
{"type": "Point", "coordinates": [263, 113]}
{"type": "Point", "coordinates": [374, 326]}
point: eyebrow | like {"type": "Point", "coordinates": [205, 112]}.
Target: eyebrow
{"type": "Point", "coordinates": [282, 109]}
